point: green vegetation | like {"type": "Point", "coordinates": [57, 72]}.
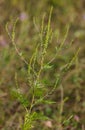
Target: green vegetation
{"type": "Point", "coordinates": [42, 65]}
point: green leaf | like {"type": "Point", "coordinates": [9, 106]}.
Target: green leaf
{"type": "Point", "coordinates": [30, 118]}
{"type": "Point", "coordinates": [39, 92]}
{"type": "Point", "coordinates": [47, 66]}
{"type": "Point", "coordinates": [28, 122]}
{"type": "Point", "coordinates": [45, 101]}
{"type": "Point", "coordinates": [39, 116]}
{"type": "Point", "coordinates": [21, 98]}
{"type": "Point", "coordinates": [48, 102]}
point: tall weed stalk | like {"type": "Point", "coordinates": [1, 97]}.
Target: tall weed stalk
{"type": "Point", "coordinates": [38, 91]}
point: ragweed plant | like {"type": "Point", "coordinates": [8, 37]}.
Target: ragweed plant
{"type": "Point", "coordinates": [36, 66]}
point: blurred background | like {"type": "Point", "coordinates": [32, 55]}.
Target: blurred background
{"type": "Point", "coordinates": [30, 13]}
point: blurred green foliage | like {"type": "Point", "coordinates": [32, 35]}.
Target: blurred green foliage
{"type": "Point", "coordinates": [30, 13]}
